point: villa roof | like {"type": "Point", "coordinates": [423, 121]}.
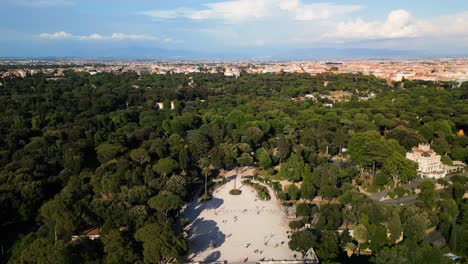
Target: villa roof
{"type": "Point", "coordinates": [91, 232]}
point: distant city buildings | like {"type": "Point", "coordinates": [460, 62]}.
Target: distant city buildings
{"type": "Point", "coordinates": [390, 70]}
{"type": "Point", "coordinates": [232, 71]}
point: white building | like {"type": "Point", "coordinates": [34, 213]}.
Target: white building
{"type": "Point", "coordinates": [232, 72]}
{"type": "Point", "coordinates": [161, 105]}
{"type": "Point", "coordinates": [429, 164]}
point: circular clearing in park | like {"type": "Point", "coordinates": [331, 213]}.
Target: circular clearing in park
{"type": "Point", "coordinates": [237, 227]}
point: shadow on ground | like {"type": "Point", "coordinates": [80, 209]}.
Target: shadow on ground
{"type": "Point", "coordinates": [205, 234]}
{"type": "Point", "coordinates": [213, 257]}
{"type": "Point", "coordinates": [195, 208]}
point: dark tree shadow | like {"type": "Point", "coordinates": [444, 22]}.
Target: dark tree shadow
{"type": "Point", "coordinates": [195, 208]}
{"type": "Point", "coordinates": [231, 178]}
{"type": "Point", "coordinates": [203, 235]}
{"type": "Point", "coordinates": [213, 257]}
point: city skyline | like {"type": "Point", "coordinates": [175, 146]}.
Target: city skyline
{"type": "Point", "coordinates": [236, 29]}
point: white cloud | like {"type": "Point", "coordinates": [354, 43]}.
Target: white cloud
{"type": "Point", "coordinates": [400, 24]}
{"type": "Point", "coordinates": [122, 36]}
{"type": "Point", "coordinates": [242, 10]}
{"type": "Point", "coordinates": [56, 35]}
{"type": "Point", "coordinates": [323, 11]}
{"type": "Point", "coordinates": [115, 36]}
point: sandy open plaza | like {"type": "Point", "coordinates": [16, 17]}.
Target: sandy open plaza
{"type": "Point", "coordinates": [235, 227]}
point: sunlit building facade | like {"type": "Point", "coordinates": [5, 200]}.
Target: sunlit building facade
{"type": "Point", "coordinates": [429, 162]}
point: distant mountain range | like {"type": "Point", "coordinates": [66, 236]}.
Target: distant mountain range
{"type": "Point", "coordinates": [248, 53]}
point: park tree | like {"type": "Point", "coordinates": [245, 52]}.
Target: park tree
{"type": "Point", "coordinates": [284, 147]}
{"type": "Point", "coordinates": [85, 250]}
{"type": "Point", "coordinates": [293, 192]}
{"type": "Point", "coordinates": [44, 251]}
{"type": "Point", "coordinates": [117, 248]}
{"type": "Point", "coordinates": [394, 228]}
{"type": "Point", "coordinates": [437, 128]}
{"type": "Point", "coordinates": [428, 193]}
{"type": "Point", "coordinates": [230, 154]}
{"type": "Point", "coordinates": [263, 157]}
{"type": "Point", "coordinates": [448, 212]}
{"type": "Point", "coordinates": [327, 249]}
{"type": "Point", "coordinates": [165, 166]}
{"type": "Point", "coordinates": [293, 168]}
{"type": "Point", "coordinates": [328, 180]}
{"type": "Point", "coordinates": [366, 148]}
{"type": "Point", "coordinates": [177, 185]}
{"type": "Point", "coordinates": [184, 158]}
{"type": "Point", "coordinates": [296, 225]}
{"type": "Point", "coordinates": [361, 234]}
{"type": "Point", "coordinates": [440, 143]}
{"type": "Point", "coordinates": [302, 242]}
{"type": "Point", "coordinates": [176, 143]}
{"type": "Point", "coordinates": [415, 222]}
{"type": "Point", "coordinates": [237, 118]}
{"type": "Point", "coordinates": [140, 156]}
{"type": "Point", "coordinates": [390, 256]}
{"type": "Point", "coordinates": [107, 151]}
{"type": "Point", "coordinates": [165, 202]}
{"type": "Point", "coordinates": [458, 190]}
{"type": "Point", "coordinates": [160, 243]}
{"type": "Point", "coordinates": [303, 209]}
{"type": "Point", "coordinates": [330, 217]}
{"type": "Point", "coordinates": [73, 159]}
{"type": "Point", "coordinates": [425, 253]}
{"type": "Point", "coordinates": [399, 168]}
{"type": "Point", "coordinates": [254, 135]}
{"type": "Point", "coordinates": [198, 143]}
{"type": "Point", "coordinates": [459, 153]}
{"type": "Point", "coordinates": [308, 190]}
{"type": "Point", "coordinates": [407, 137]}
{"type": "Point", "coordinates": [378, 237]}
{"type": "Point", "coordinates": [245, 159]}
{"type": "Point", "coordinates": [59, 218]}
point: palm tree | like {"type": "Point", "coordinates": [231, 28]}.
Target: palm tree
{"type": "Point", "coordinates": [206, 171]}
{"type": "Point", "coordinates": [235, 179]}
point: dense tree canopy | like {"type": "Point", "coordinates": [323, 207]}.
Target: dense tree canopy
{"type": "Point", "coordinates": [87, 152]}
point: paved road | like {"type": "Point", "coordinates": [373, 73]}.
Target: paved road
{"type": "Point", "coordinates": [379, 195]}
{"type": "Point", "coordinates": [407, 200]}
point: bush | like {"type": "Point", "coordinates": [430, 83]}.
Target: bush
{"type": "Point", "coordinates": [276, 186]}
{"type": "Point", "coordinates": [400, 192]}
{"type": "Point", "coordinates": [235, 192]}
{"type": "Point", "coordinates": [262, 191]}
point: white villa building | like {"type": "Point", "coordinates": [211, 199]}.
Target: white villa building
{"type": "Point", "coordinates": [429, 164]}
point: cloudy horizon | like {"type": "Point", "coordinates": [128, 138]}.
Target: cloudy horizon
{"type": "Point", "coordinates": [250, 27]}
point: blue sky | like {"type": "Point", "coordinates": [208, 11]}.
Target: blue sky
{"type": "Point", "coordinates": [162, 28]}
